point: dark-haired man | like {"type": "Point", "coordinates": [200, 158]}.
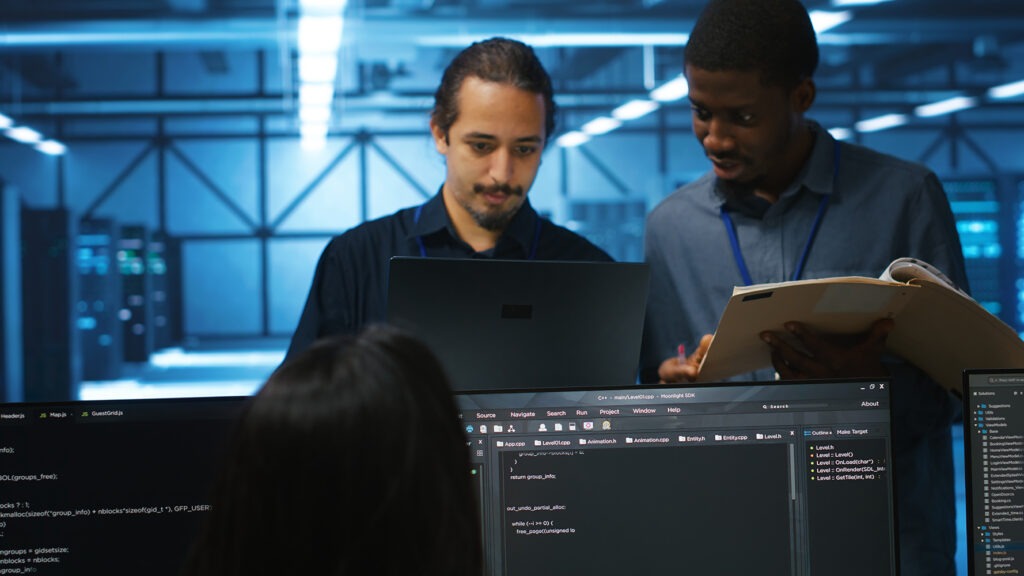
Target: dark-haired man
{"type": "Point", "coordinates": [493, 114]}
{"type": "Point", "coordinates": [786, 201]}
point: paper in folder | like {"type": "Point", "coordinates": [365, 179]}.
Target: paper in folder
{"type": "Point", "coordinates": [938, 327]}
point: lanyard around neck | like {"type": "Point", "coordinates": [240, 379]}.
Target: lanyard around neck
{"type": "Point", "coordinates": [533, 245]}
{"type": "Point", "coordinates": [734, 241]}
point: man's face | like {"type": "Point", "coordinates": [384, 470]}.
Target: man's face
{"type": "Point", "coordinates": [747, 129]}
{"type": "Point", "coordinates": [493, 150]}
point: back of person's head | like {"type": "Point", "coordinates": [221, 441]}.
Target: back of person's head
{"type": "Point", "coordinates": [349, 461]}
{"type": "Point", "coordinates": [498, 60]}
{"type": "Point", "coordinates": [773, 37]}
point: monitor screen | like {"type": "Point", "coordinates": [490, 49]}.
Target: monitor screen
{"type": "Point", "coordinates": [753, 478]}
{"type": "Point", "coordinates": [111, 487]}
{"type": "Point", "coordinates": [994, 470]}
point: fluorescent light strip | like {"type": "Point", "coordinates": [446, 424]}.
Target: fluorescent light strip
{"type": "Point", "coordinates": [822, 20]}
{"type": "Point", "coordinates": [317, 67]}
{"type": "Point", "coordinates": [634, 109]}
{"type": "Point", "coordinates": [841, 133]}
{"type": "Point", "coordinates": [881, 123]}
{"type": "Point", "coordinates": [1007, 90]}
{"type": "Point", "coordinates": [581, 39]}
{"type": "Point", "coordinates": [602, 125]}
{"type": "Point", "coordinates": [313, 135]}
{"type": "Point", "coordinates": [319, 34]}
{"type": "Point", "coordinates": [675, 89]}
{"type": "Point", "coordinates": [316, 94]}
{"type": "Point", "coordinates": [322, 6]}
{"type": "Point", "coordinates": [130, 388]}
{"type": "Point", "coordinates": [23, 134]}
{"type": "Point", "coordinates": [947, 106]}
{"type": "Point", "coordinates": [857, 2]}
{"type": "Point", "coordinates": [318, 114]}
{"type": "Point", "coordinates": [179, 358]}
{"type": "Point", "coordinates": [572, 139]}
{"type": "Point", "coordinates": [51, 147]}
{"type": "Point", "coordinates": [6, 122]}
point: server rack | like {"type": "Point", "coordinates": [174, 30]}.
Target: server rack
{"type": "Point", "coordinates": [164, 266]}
{"type": "Point", "coordinates": [52, 353]}
{"type": "Point", "coordinates": [136, 309]}
{"type": "Point", "coordinates": [100, 299]}
{"type": "Point", "coordinates": [11, 381]}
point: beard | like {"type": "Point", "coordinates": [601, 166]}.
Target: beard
{"type": "Point", "coordinates": [734, 189]}
{"type": "Point", "coordinates": [494, 218]}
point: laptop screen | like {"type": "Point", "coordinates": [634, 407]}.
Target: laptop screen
{"type": "Point", "coordinates": [753, 478]}
{"type": "Point", "coordinates": [113, 487]}
{"type": "Point", "coordinates": [994, 470]}
{"type": "Point", "coordinates": [526, 324]}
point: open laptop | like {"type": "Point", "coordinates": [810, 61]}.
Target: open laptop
{"type": "Point", "coordinates": [740, 478]}
{"type": "Point", "coordinates": [117, 488]}
{"type": "Point", "coordinates": [504, 324]}
{"type": "Point", "coordinates": [994, 469]}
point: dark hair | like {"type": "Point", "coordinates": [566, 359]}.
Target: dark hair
{"type": "Point", "coordinates": [774, 37]}
{"type": "Point", "coordinates": [495, 60]}
{"type": "Point", "coordinates": [349, 461]}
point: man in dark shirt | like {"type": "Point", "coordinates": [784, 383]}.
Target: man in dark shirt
{"type": "Point", "coordinates": [493, 114]}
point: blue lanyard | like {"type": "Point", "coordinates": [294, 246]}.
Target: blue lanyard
{"type": "Point", "coordinates": [533, 246]}
{"type": "Point", "coordinates": [734, 241]}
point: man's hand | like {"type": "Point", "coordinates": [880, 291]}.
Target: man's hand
{"type": "Point", "coordinates": [829, 355]}
{"type": "Point", "coordinates": [678, 369]}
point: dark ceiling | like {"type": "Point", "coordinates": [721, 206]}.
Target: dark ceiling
{"type": "Point", "coordinates": [896, 54]}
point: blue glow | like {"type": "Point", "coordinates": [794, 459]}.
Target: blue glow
{"type": "Point", "coordinates": [977, 226]}
{"type": "Point", "coordinates": [994, 307]}
{"type": "Point", "coordinates": [976, 207]}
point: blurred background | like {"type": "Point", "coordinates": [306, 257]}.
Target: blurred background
{"type": "Point", "coordinates": [171, 169]}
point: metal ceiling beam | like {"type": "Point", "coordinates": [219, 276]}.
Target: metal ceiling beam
{"type": "Point", "coordinates": [385, 102]}
{"type": "Point", "coordinates": [457, 31]}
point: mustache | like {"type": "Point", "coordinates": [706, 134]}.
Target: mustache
{"type": "Point", "coordinates": [498, 188]}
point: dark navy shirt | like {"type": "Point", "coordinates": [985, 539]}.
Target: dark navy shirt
{"type": "Point", "coordinates": [350, 284]}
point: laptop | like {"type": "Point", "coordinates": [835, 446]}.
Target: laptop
{"type": "Point", "coordinates": [118, 488]}
{"type": "Point", "coordinates": [994, 470]}
{"type": "Point", "coordinates": [736, 478]}
{"type": "Point", "coordinates": [505, 324]}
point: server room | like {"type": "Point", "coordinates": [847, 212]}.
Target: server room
{"type": "Point", "coordinates": [171, 171]}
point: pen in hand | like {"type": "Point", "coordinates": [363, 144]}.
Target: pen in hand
{"type": "Point", "coordinates": [681, 354]}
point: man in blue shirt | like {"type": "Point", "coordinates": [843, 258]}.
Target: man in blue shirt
{"type": "Point", "coordinates": [493, 114]}
{"type": "Point", "coordinates": [786, 201]}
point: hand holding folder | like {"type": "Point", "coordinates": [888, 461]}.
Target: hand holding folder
{"type": "Point", "coordinates": [938, 327]}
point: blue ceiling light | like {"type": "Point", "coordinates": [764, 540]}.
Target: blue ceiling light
{"type": "Point", "coordinates": [675, 89]}
{"type": "Point", "coordinates": [822, 20]}
{"type": "Point", "coordinates": [25, 135]}
{"type": "Point", "coordinates": [883, 122]}
{"type": "Point", "coordinates": [635, 109]}
{"type": "Point", "coordinates": [51, 148]}
{"type": "Point", "coordinates": [947, 106]}
{"type": "Point", "coordinates": [572, 139]}
{"type": "Point", "coordinates": [1003, 91]}
{"type": "Point", "coordinates": [602, 125]}
{"type": "Point", "coordinates": [319, 35]}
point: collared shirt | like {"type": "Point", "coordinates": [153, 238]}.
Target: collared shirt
{"type": "Point", "coordinates": [350, 284]}
{"type": "Point", "coordinates": [880, 208]}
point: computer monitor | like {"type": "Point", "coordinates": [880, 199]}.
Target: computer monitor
{"type": "Point", "coordinates": [740, 478]}
{"type": "Point", "coordinates": [994, 470]}
{"type": "Point", "coordinates": [522, 323]}
{"type": "Point", "coordinates": [117, 488]}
